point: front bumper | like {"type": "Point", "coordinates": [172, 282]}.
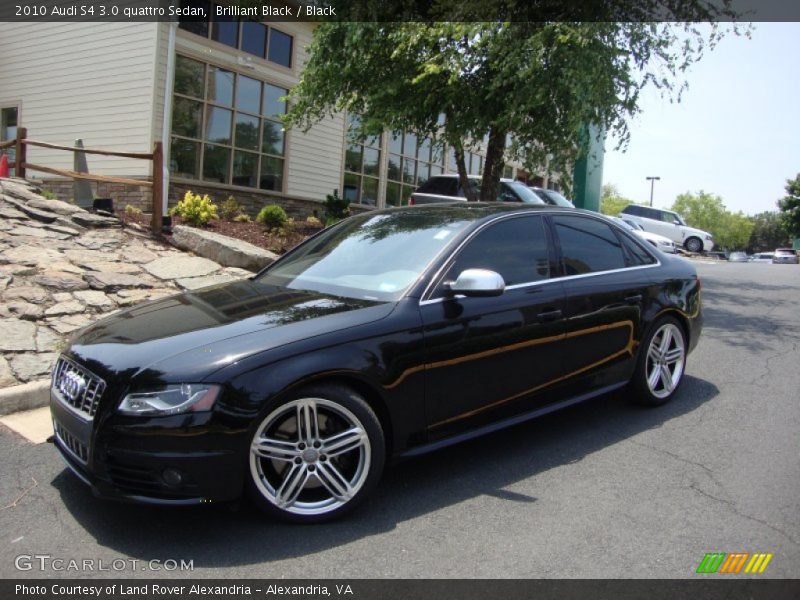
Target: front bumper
{"type": "Point", "coordinates": [137, 460]}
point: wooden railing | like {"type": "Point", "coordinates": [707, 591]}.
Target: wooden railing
{"type": "Point", "coordinates": [21, 165]}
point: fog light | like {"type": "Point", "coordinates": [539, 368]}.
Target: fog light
{"type": "Point", "coordinates": [172, 477]}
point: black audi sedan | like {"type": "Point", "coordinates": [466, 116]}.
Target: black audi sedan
{"type": "Point", "coordinates": [387, 335]}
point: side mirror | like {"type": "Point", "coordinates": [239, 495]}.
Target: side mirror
{"type": "Point", "coordinates": [478, 282]}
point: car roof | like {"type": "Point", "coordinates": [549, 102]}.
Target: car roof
{"type": "Point", "coordinates": [477, 211]}
{"type": "Point", "coordinates": [470, 176]}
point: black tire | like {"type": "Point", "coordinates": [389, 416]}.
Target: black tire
{"type": "Point", "coordinates": [283, 461]}
{"type": "Point", "coordinates": [694, 244]}
{"type": "Point", "coordinates": [651, 363]}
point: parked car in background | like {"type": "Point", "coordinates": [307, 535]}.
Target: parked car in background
{"type": "Point", "coordinates": [785, 256]}
{"type": "Point", "coordinates": [670, 224]}
{"type": "Point", "coordinates": [738, 257]}
{"type": "Point", "coordinates": [659, 241]}
{"type": "Point", "coordinates": [762, 257]}
{"type": "Point", "coordinates": [719, 255]}
{"type": "Point", "coordinates": [447, 188]}
{"type": "Point", "coordinates": [552, 197]}
{"type": "Point", "coordinates": [388, 335]}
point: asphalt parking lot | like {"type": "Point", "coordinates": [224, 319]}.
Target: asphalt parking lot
{"type": "Point", "coordinates": [603, 489]}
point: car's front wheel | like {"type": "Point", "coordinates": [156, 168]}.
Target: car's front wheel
{"type": "Point", "coordinates": [694, 244]}
{"type": "Point", "coordinates": [317, 456]}
{"type": "Point", "coordinates": [661, 363]}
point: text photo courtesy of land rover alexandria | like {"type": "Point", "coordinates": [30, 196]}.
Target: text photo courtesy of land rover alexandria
{"type": "Point", "coordinates": [387, 335]}
{"type": "Point", "coordinates": [671, 225]}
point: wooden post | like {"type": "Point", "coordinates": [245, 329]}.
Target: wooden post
{"type": "Point", "coordinates": [21, 153]}
{"type": "Point", "coordinates": [158, 188]}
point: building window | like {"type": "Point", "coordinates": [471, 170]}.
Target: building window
{"type": "Point", "coordinates": [226, 127]}
{"type": "Point", "coordinates": [8, 131]}
{"type": "Point", "coordinates": [411, 163]}
{"type": "Point", "coordinates": [473, 162]}
{"type": "Point", "coordinates": [248, 36]}
{"type": "Point", "coordinates": [508, 172]}
{"type": "Point", "coordinates": [362, 162]}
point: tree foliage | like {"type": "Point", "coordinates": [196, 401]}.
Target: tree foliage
{"type": "Point", "coordinates": [769, 232]}
{"type": "Point", "coordinates": [790, 206]}
{"type": "Point", "coordinates": [524, 84]}
{"type": "Point", "coordinates": [707, 212]}
{"type": "Point", "coordinates": [611, 201]}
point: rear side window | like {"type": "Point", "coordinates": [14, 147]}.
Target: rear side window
{"type": "Point", "coordinates": [441, 186]}
{"type": "Point", "coordinates": [637, 256]}
{"type": "Point", "coordinates": [588, 245]}
{"type": "Point", "coordinates": [515, 248]}
{"type": "Point", "coordinates": [633, 209]}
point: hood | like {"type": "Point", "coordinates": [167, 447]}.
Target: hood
{"type": "Point", "coordinates": [188, 336]}
{"type": "Point", "coordinates": [647, 235]}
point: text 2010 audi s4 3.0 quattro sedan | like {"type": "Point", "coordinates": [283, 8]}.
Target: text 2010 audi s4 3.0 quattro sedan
{"type": "Point", "coordinates": [387, 335]}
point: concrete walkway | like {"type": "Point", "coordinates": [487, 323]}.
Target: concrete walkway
{"type": "Point", "coordinates": [61, 268]}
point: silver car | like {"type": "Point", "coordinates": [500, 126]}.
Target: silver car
{"type": "Point", "coordinates": [785, 256]}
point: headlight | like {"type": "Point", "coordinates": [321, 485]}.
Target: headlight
{"type": "Point", "coordinates": [171, 400]}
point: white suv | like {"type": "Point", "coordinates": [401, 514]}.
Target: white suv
{"type": "Point", "coordinates": [671, 225]}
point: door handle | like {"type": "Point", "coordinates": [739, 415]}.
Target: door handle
{"type": "Point", "coordinates": [549, 315]}
{"type": "Point", "coordinates": [633, 299]}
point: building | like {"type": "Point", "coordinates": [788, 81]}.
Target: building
{"type": "Point", "coordinates": [111, 85]}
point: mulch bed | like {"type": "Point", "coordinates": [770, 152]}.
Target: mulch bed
{"type": "Point", "coordinates": [275, 240]}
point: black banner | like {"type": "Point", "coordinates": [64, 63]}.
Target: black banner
{"type": "Point", "coordinates": [371, 589]}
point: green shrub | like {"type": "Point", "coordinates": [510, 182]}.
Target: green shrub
{"type": "Point", "coordinates": [195, 209]}
{"type": "Point", "coordinates": [48, 195]}
{"type": "Point", "coordinates": [230, 209]}
{"type": "Point", "coordinates": [336, 208]}
{"type": "Point", "coordinates": [242, 218]}
{"type": "Point", "coordinates": [132, 210]}
{"type": "Point", "coordinates": [273, 216]}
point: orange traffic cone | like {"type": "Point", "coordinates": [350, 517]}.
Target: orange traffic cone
{"type": "Point", "coordinates": [4, 165]}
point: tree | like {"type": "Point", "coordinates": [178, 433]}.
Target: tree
{"type": "Point", "coordinates": [707, 212]}
{"type": "Point", "coordinates": [790, 207]}
{"type": "Point", "coordinates": [611, 202]}
{"type": "Point", "coordinates": [527, 84]}
{"type": "Point", "coordinates": [768, 233]}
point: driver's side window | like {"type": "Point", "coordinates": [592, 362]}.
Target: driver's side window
{"type": "Point", "coordinates": [516, 248]}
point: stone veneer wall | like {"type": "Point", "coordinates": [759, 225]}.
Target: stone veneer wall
{"type": "Point", "coordinates": [141, 197]}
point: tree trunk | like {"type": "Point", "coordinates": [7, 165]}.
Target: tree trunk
{"type": "Point", "coordinates": [463, 180]}
{"type": "Point", "coordinates": [494, 164]}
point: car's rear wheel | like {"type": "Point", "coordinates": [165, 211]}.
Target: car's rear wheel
{"type": "Point", "coordinates": [317, 456]}
{"type": "Point", "coordinates": [694, 244]}
{"type": "Point", "coordinates": [661, 364]}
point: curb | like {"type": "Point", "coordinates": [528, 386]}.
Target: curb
{"type": "Point", "coordinates": [24, 397]}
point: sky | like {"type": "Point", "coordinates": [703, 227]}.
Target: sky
{"type": "Point", "coordinates": [735, 133]}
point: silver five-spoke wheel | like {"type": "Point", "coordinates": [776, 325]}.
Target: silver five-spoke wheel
{"type": "Point", "coordinates": [666, 357]}
{"type": "Point", "coordinates": [310, 456]}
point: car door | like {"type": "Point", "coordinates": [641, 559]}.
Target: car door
{"type": "Point", "coordinates": [492, 357]}
{"type": "Point", "coordinates": [607, 289]}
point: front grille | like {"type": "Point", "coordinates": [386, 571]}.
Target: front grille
{"type": "Point", "coordinates": [71, 443]}
{"type": "Point", "coordinates": [78, 387]}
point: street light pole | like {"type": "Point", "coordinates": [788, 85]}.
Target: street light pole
{"type": "Point", "coordinates": [652, 181]}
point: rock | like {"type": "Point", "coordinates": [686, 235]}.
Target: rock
{"type": "Point", "coordinates": [68, 231]}
{"type": "Point", "coordinates": [36, 232]}
{"type": "Point", "coordinates": [47, 340]}
{"type": "Point", "coordinates": [28, 293]}
{"type": "Point", "coordinates": [111, 267]}
{"type": "Point", "coordinates": [137, 254]}
{"type": "Point", "coordinates": [195, 283]}
{"type": "Point", "coordinates": [69, 323]}
{"type": "Point", "coordinates": [45, 216]}
{"type": "Point", "coordinates": [6, 375]}
{"type": "Point", "coordinates": [181, 267]}
{"type": "Point", "coordinates": [66, 267]}
{"type": "Point", "coordinates": [70, 307]}
{"type": "Point", "coordinates": [26, 254]}
{"type": "Point", "coordinates": [13, 270]}
{"type": "Point", "coordinates": [17, 335]}
{"type": "Point", "coordinates": [9, 212]}
{"type": "Point", "coordinates": [237, 272]}
{"type": "Point", "coordinates": [88, 219]}
{"type": "Point", "coordinates": [5, 281]}
{"type": "Point", "coordinates": [33, 366]}
{"type": "Point", "coordinates": [61, 280]}
{"type": "Point", "coordinates": [25, 310]}
{"type": "Point", "coordinates": [95, 299]}
{"type": "Point", "coordinates": [29, 195]}
{"type": "Point", "coordinates": [111, 282]}
{"type": "Point", "coordinates": [225, 250]}
{"type": "Point", "coordinates": [62, 297]}
{"type": "Point", "coordinates": [78, 256]}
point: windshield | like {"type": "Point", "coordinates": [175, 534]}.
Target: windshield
{"type": "Point", "coordinates": [524, 192]}
{"type": "Point", "coordinates": [558, 199]}
{"type": "Point", "coordinates": [622, 222]}
{"type": "Point", "coordinates": [373, 257]}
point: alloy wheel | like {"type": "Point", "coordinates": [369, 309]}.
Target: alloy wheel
{"type": "Point", "coordinates": [310, 456]}
{"type": "Point", "coordinates": [666, 358]}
